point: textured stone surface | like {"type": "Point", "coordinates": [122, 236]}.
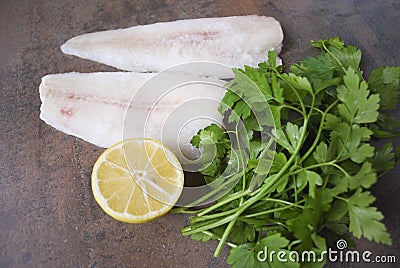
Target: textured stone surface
{"type": "Point", "coordinates": [48, 217]}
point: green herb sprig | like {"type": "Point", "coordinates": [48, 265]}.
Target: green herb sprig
{"type": "Point", "coordinates": [314, 190]}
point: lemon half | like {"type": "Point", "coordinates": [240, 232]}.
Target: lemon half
{"type": "Point", "coordinates": [137, 180]}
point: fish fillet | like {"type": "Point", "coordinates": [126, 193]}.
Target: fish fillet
{"type": "Point", "coordinates": [232, 41]}
{"type": "Point", "coordinates": [104, 108]}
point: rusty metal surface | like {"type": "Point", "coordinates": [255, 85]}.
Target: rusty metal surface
{"type": "Point", "coordinates": [48, 217]}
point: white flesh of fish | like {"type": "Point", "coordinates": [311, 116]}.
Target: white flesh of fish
{"type": "Point", "coordinates": [104, 108]}
{"type": "Point", "coordinates": [232, 41]}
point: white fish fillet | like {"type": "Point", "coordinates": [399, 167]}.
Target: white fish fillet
{"type": "Point", "coordinates": [93, 106]}
{"type": "Point", "coordinates": [232, 41]}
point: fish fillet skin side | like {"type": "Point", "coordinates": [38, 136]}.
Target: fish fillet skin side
{"type": "Point", "coordinates": [104, 108]}
{"type": "Point", "coordinates": [232, 41]}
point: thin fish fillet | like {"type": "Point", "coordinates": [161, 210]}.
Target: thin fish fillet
{"type": "Point", "coordinates": [104, 108]}
{"type": "Point", "coordinates": [232, 41]}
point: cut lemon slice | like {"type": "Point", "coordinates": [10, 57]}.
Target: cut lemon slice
{"type": "Point", "coordinates": [137, 180]}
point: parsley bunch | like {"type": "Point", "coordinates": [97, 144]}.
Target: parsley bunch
{"type": "Point", "coordinates": [311, 188]}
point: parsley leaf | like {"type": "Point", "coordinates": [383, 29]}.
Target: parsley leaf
{"type": "Point", "coordinates": [384, 158]}
{"type": "Point", "coordinates": [385, 82]}
{"type": "Point", "coordinates": [312, 178]}
{"type": "Point", "coordinates": [214, 145]}
{"type": "Point", "coordinates": [249, 255]}
{"type": "Point", "coordinates": [364, 220]}
{"type": "Point", "coordinates": [242, 233]}
{"type": "Point", "coordinates": [365, 177]}
{"type": "Point", "coordinates": [245, 255]}
{"type": "Point", "coordinates": [357, 105]}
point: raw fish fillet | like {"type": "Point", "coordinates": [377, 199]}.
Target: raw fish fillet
{"type": "Point", "coordinates": [104, 108]}
{"type": "Point", "coordinates": [232, 41]}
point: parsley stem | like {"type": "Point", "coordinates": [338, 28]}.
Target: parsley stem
{"type": "Point", "coordinates": [295, 92]}
{"type": "Point", "coordinates": [224, 237]}
{"type": "Point", "coordinates": [331, 163]}
{"type": "Point", "coordinates": [183, 210]}
{"type": "Point", "coordinates": [218, 238]}
{"type": "Point", "coordinates": [223, 202]}
{"type": "Point", "coordinates": [207, 226]}
{"type": "Point", "coordinates": [212, 216]}
{"type": "Point", "coordinates": [341, 198]}
{"type": "Point", "coordinates": [238, 140]}
{"type": "Point", "coordinates": [216, 190]}
{"type": "Point", "coordinates": [276, 226]}
{"type": "Point", "coordinates": [340, 63]}
{"type": "Point", "coordinates": [333, 56]}
{"type": "Point", "coordinates": [295, 242]}
{"type": "Point", "coordinates": [316, 140]}
{"type": "Point", "coordinates": [326, 180]}
{"type": "Point", "coordinates": [344, 142]}
{"type": "Point", "coordinates": [257, 179]}
{"type": "Point", "coordinates": [341, 169]}
{"type": "Point", "coordinates": [269, 211]}
{"type": "Point", "coordinates": [284, 202]}
{"type": "Point", "coordinates": [294, 109]}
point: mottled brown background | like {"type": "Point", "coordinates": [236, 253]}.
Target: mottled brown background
{"type": "Point", "coordinates": [48, 217]}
